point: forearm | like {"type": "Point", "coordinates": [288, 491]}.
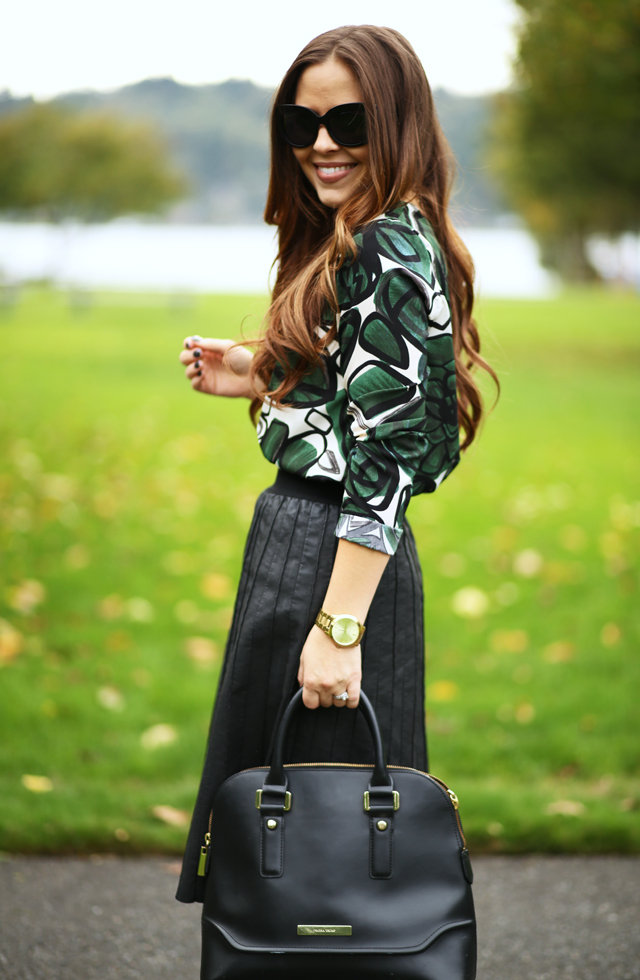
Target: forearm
{"type": "Point", "coordinates": [357, 571]}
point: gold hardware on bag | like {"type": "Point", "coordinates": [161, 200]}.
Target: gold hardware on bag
{"type": "Point", "coordinates": [204, 851]}
{"type": "Point", "coordinates": [453, 798]}
{"type": "Point", "coordinates": [324, 930]}
{"type": "Point", "coordinates": [454, 802]}
{"type": "Point", "coordinates": [382, 825]}
{"type": "Point", "coordinates": [272, 824]}
{"type": "Point", "coordinates": [396, 800]}
{"type": "Point", "coordinates": [287, 799]}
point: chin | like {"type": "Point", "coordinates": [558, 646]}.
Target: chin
{"type": "Point", "coordinates": [333, 198]}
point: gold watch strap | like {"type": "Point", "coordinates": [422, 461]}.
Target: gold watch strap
{"type": "Point", "coordinates": [325, 621]}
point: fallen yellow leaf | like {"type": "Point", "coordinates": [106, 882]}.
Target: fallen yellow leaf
{"type": "Point", "coordinates": [215, 586]}
{"type": "Point", "coordinates": [610, 634]}
{"type": "Point", "coordinates": [37, 784]}
{"type": "Point", "coordinates": [111, 607]}
{"type": "Point", "coordinates": [442, 691]}
{"type": "Point", "coordinates": [26, 596]}
{"type": "Point", "coordinates": [525, 713]}
{"type": "Point", "coordinates": [470, 602]}
{"type": "Point", "coordinates": [201, 650]}
{"type": "Point", "coordinates": [170, 815]}
{"type": "Point", "coordinates": [558, 652]}
{"type": "Point", "coordinates": [110, 698]}
{"type": "Point", "coordinates": [509, 641]}
{"type": "Point", "coordinates": [11, 642]}
{"type": "Point", "coordinates": [157, 736]}
{"type": "Point", "coordinates": [566, 808]}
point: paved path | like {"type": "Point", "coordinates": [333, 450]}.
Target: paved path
{"type": "Point", "coordinates": [539, 918]}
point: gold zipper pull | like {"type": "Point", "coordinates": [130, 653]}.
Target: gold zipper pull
{"type": "Point", "coordinates": [454, 798]}
{"type": "Point", "coordinates": [204, 854]}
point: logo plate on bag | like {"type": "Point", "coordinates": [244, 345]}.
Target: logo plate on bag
{"type": "Point", "coordinates": [324, 930]}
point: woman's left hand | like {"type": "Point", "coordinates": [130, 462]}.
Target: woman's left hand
{"type": "Point", "coordinates": [326, 669]}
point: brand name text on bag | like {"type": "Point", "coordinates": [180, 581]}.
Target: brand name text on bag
{"type": "Point", "coordinates": [324, 930]}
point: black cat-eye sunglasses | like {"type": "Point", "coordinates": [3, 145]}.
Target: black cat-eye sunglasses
{"type": "Point", "coordinates": [346, 124]}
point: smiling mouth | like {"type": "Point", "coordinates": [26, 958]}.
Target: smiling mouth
{"type": "Point", "coordinates": [329, 173]}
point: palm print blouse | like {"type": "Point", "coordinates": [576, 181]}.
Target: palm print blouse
{"type": "Point", "coordinates": [379, 414]}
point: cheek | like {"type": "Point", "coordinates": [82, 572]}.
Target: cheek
{"type": "Point", "coordinates": [302, 156]}
{"type": "Point", "coordinates": [361, 154]}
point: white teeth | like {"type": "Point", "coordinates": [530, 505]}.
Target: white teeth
{"type": "Point", "coordinates": [336, 170]}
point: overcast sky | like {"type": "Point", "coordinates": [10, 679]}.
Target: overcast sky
{"type": "Point", "coordinates": [52, 46]}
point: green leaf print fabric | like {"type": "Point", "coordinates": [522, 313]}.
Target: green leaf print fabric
{"type": "Point", "coordinates": [380, 417]}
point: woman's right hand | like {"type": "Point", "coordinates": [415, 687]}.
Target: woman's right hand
{"type": "Point", "coordinates": [211, 373]}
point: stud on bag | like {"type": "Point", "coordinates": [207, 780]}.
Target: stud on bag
{"type": "Point", "coordinates": [345, 871]}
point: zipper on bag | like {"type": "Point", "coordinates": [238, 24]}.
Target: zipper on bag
{"type": "Point", "coordinates": [203, 863]}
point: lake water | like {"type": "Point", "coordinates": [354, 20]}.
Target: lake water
{"type": "Point", "coordinates": [129, 255]}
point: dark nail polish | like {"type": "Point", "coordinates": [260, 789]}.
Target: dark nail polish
{"type": "Point", "coordinates": [198, 364]}
{"type": "Point", "coordinates": [197, 352]}
{"type": "Point", "coordinates": [199, 374]}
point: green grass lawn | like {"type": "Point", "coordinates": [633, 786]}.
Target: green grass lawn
{"type": "Point", "coordinates": [125, 499]}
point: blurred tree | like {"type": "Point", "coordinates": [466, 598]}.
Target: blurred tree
{"type": "Point", "coordinates": [568, 133]}
{"type": "Point", "coordinates": [91, 167]}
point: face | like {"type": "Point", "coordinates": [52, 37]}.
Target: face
{"type": "Point", "coordinates": [336, 172]}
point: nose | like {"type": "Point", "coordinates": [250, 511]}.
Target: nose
{"type": "Point", "coordinates": [324, 143]}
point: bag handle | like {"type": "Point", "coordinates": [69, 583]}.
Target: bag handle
{"type": "Point", "coordinates": [277, 776]}
{"type": "Point", "coordinates": [274, 800]}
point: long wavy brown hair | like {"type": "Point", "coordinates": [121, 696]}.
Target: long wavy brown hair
{"type": "Point", "coordinates": [409, 159]}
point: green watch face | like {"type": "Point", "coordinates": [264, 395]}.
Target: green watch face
{"type": "Point", "coordinates": [345, 630]}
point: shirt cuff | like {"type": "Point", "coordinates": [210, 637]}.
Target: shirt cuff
{"type": "Point", "coordinates": [371, 534]}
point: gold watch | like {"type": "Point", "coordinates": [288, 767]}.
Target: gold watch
{"type": "Point", "coordinates": [344, 630]}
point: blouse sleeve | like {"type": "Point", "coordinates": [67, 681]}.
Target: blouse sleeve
{"type": "Point", "coordinates": [383, 340]}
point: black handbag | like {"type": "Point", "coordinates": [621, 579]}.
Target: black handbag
{"type": "Point", "coordinates": [329, 870]}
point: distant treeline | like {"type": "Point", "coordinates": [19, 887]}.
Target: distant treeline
{"type": "Point", "coordinates": [218, 135]}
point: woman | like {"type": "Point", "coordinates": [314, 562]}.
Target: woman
{"type": "Point", "coordinates": [369, 335]}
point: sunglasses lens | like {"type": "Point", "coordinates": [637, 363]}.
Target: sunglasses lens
{"type": "Point", "coordinates": [300, 125]}
{"type": "Point", "coordinates": [348, 125]}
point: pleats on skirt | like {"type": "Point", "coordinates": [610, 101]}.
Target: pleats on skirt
{"type": "Point", "coordinates": [288, 561]}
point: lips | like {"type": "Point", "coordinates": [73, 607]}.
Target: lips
{"type": "Point", "coordinates": [329, 173]}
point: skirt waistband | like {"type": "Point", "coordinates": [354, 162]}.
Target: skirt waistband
{"type": "Point", "coordinates": [307, 488]}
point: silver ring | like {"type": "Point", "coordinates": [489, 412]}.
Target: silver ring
{"type": "Point", "coordinates": [341, 697]}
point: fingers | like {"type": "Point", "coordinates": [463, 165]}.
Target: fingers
{"type": "Point", "coordinates": [194, 375]}
{"type": "Point", "coordinates": [326, 698]}
{"type": "Point", "coordinates": [320, 696]}
{"type": "Point", "coordinates": [189, 356]}
{"type": "Point", "coordinates": [342, 702]}
{"type": "Point", "coordinates": [235, 358]}
{"type": "Point", "coordinates": [190, 342]}
{"type": "Point", "coordinates": [315, 696]}
{"type": "Point", "coordinates": [196, 347]}
{"type": "Point", "coordinates": [310, 698]}
{"type": "Point", "coordinates": [353, 690]}
{"type": "Point", "coordinates": [217, 345]}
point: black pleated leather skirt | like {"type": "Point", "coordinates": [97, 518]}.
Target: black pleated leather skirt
{"type": "Point", "coordinates": [288, 561]}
